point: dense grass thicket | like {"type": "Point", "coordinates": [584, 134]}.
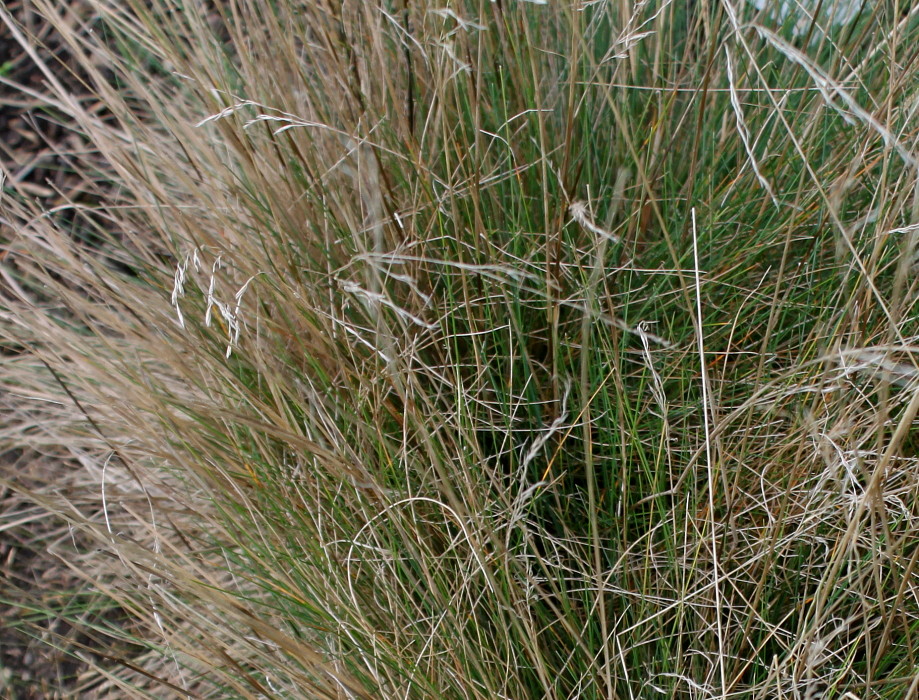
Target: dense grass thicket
{"type": "Point", "coordinates": [469, 349]}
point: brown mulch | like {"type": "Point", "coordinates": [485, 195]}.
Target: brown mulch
{"type": "Point", "coordinates": [33, 663]}
{"type": "Point", "coordinates": [35, 145]}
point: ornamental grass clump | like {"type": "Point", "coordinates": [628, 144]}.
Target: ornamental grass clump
{"type": "Point", "coordinates": [476, 349]}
